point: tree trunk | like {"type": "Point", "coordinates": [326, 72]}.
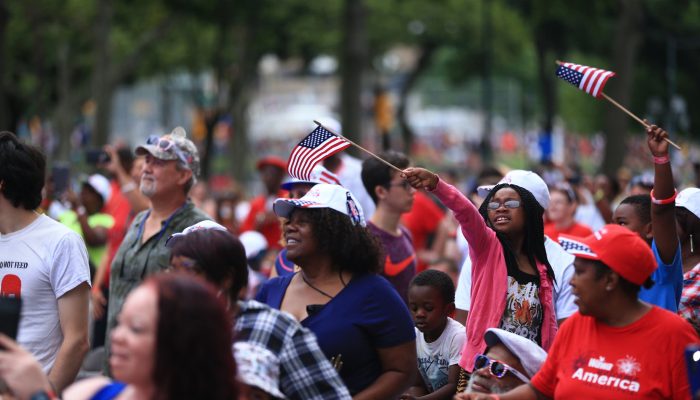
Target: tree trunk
{"type": "Point", "coordinates": [241, 83]}
{"type": "Point", "coordinates": [628, 38]}
{"type": "Point", "coordinates": [4, 104]}
{"type": "Point", "coordinates": [64, 109]}
{"type": "Point", "coordinates": [421, 66]}
{"type": "Point", "coordinates": [486, 81]}
{"type": "Point", "coordinates": [222, 99]}
{"type": "Point", "coordinates": [240, 143]}
{"type": "Point", "coordinates": [545, 67]}
{"type": "Point", "coordinates": [101, 85]}
{"type": "Point", "coordinates": [353, 61]}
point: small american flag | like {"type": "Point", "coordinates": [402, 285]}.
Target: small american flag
{"type": "Point", "coordinates": [590, 80]}
{"type": "Point", "coordinates": [575, 247]}
{"type": "Point", "coordinates": [317, 146]}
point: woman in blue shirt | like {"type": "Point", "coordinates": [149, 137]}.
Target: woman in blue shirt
{"type": "Point", "coordinates": [360, 321]}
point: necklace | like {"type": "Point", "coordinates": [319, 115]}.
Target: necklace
{"type": "Point", "coordinates": [314, 287]}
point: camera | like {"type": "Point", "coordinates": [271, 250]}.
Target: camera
{"type": "Point", "coordinates": [96, 156]}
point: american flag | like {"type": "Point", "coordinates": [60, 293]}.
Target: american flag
{"type": "Point", "coordinates": [317, 146]}
{"type": "Point", "coordinates": [590, 80]}
{"type": "Point", "coordinates": [575, 247]}
{"type": "Point", "coordinates": [327, 177]}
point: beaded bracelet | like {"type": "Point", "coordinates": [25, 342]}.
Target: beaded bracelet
{"type": "Point", "coordinates": [662, 202]}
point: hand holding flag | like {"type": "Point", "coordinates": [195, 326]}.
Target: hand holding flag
{"type": "Point", "coordinates": [592, 81]}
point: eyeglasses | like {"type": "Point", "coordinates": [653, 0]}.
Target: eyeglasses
{"type": "Point", "coordinates": [166, 144]}
{"type": "Point", "coordinates": [404, 184]}
{"type": "Point", "coordinates": [497, 368]}
{"type": "Point", "coordinates": [494, 205]}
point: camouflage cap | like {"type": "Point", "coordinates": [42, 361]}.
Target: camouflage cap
{"type": "Point", "coordinates": [173, 146]}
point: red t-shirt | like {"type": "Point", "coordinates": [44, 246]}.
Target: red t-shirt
{"type": "Point", "coordinates": [118, 207]}
{"type": "Point", "coordinates": [422, 221]}
{"type": "Point", "coordinates": [578, 230]}
{"type": "Point", "coordinates": [272, 230]}
{"type": "Point", "coordinates": [591, 360]}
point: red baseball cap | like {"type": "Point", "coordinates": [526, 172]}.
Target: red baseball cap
{"type": "Point", "coordinates": [617, 247]}
{"type": "Point", "coordinates": [271, 160]}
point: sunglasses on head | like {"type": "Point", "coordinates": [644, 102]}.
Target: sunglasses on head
{"type": "Point", "coordinates": [494, 205]}
{"type": "Point", "coordinates": [497, 368]}
{"type": "Point", "coordinates": [166, 144]}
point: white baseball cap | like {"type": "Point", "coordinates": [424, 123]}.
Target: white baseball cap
{"type": "Point", "coordinates": [253, 242]}
{"type": "Point", "coordinates": [199, 226]}
{"type": "Point", "coordinates": [258, 366]}
{"type": "Point", "coordinates": [324, 195]}
{"type": "Point", "coordinates": [690, 200]}
{"type": "Point", "coordinates": [319, 174]}
{"type": "Point", "coordinates": [531, 355]}
{"type": "Point", "coordinates": [101, 185]}
{"type": "Point", "coordinates": [527, 180]}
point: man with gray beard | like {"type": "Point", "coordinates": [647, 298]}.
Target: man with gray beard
{"type": "Point", "coordinates": [170, 169]}
{"type": "Point", "coordinates": [509, 361]}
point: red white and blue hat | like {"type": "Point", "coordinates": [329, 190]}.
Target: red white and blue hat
{"type": "Point", "coordinates": [617, 247]}
{"type": "Point", "coordinates": [324, 195]}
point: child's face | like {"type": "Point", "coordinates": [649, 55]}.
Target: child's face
{"type": "Point", "coordinates": [429, 310]}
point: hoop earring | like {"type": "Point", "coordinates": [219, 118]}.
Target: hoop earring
{"type": "Point", "coordinates": [692, 247]}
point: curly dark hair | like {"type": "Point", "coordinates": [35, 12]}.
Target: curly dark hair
{"type": "Point", "coordinates": [352, 247]}
{"type": "Point", "coordinates": [218, 254]}
{"type": "Point", "coordinates": [22, 172]}
{"type": "Point", "coordinates": [193, 357]}
{"type": "Point", "coordinates": [534, 229]}
{"type": "Point", "coordinates": [438, 280]}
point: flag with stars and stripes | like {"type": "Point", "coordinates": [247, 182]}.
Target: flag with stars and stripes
{"type": "Point", "coordinates": [590, 80]}
{"type": "Point", "coordinates": [316, 147]}
{"type": "Point", "coordinates": [575, 247]}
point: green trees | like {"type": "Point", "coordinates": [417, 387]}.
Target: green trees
{"type": "Point", "coordinates": [58, 56]}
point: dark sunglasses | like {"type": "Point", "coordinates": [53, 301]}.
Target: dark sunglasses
{"type": "Point", "coordinates": [497, 368]}
{"type": "Point", "coordinates": [494, 205]}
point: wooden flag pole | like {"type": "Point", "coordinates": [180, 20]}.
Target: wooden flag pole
{"type": "Point", "coordinates": [636, 118]}
{"type": "Point", "coordinates": [630, 113]}
{"type": "Point", "coordinates": [359, 147]}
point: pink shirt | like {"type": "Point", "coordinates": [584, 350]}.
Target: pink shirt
{"type": "Point", "coordinates": [489, 277]}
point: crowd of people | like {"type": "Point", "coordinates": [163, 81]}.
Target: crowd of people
{"type": "Point", "coordinates": [371, 279]}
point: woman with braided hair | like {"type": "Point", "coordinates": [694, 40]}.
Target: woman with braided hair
{"type": "Point", "coordinates": [512, 280]}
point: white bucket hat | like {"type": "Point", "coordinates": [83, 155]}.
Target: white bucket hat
{"type": "Point", "coordinates": [531, 355]}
